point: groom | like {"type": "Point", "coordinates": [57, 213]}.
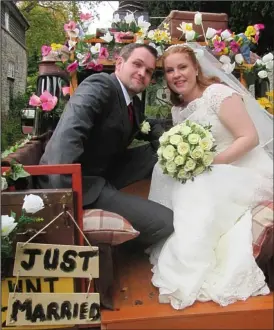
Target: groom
{"type": "Point", "coordinates": [99, 122]}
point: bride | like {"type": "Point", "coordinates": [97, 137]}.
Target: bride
{"type": "Point", "coordinates": [209, 255]}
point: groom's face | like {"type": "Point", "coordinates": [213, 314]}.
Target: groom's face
{"type": "Point", "coordinates": [135, 73]}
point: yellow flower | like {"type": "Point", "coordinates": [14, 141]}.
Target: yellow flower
{"type": "Point", "coordinates": [270, 94]}
{"type": "Point", "coordinates": [264, 102]}
{"type": "Point", "coordinates": [166, 26]}
{"type": "Point", "coordinates": [55, 46]}
{"type": "Point", "coordinates": [250, 31]}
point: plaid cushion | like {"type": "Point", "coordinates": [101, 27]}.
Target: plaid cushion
{"type": "Point", "coordinates": [106, 227]}
{"type": "Point", "coordinates": [262, 225]}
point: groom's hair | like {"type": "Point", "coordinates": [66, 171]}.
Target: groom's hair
{"type": "Point", "coordinates": [127, 50]}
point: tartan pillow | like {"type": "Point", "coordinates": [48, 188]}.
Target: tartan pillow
{"type": "Point", "coordinates": [106, 227]}
{"type": "Point", "coordinates": [262, 226]}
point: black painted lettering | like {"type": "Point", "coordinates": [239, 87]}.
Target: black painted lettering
{"type": "Point", "coordinates": [75, 310]}
{"type": "Point", "coordinates": [51, 281]}
{"type": "Point", "coordinates": [19, 287]}
{"type": "Point", "coordinates": [51, 264]}
{"type": "Point", "coordinates": [94, 311]}
{"type": "Point", "coordinates": [52, 311]}
{"type": "Point", "coordinates": [17, 306]}
{"type": "Point", "coordinates": [83, 310]}
{"type": "Point", "coordinates": [69, 264]}
{"type": "Point", "coordinates": [38, 313]}
{"type": "Point", "coordinates": [66, 310]}
{"type": "Point", "coordinates": [30, 286]}
{"type": "Point", "coordinates": [32, 254]}
{"type": "Point", "coordinates": [87, 255]}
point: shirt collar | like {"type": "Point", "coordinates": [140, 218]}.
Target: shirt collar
{"type": "Point", "coordinates": [125, 92]}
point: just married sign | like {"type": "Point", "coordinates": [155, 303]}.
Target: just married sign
{"type": "Point", "coordinates": [46, 260]}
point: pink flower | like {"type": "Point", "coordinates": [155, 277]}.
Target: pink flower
{"type": "Point", "coordinates": [103, 53]}
{"type": "Point", "coordinates": [219, 46]}
{"type": "Point", "coordinates": [85, 59]}
{"type": "Point", "coordinates": [98, 67]}
{"type": "Point", "coordinates": [71, 26]}
{"type": "Point", "coordinates": [45, 50]}
{"type": "Point", "coordinates": [118, 36]}
{"type": "Point", "coordinates": [35, 101]}
{"type": "Point", "coordinates": [72, 67]}
{"type": "Point", "coordinates": [90, 65]}
{"type": "Point", "coordinates": [234, 46]}
{"type": "Point", "coordinates": [48, 101]}
{"type": "Point", "coordinates": [86, 17]}
{"type": "Point", "coordinates": [259, 27]}
{"type": "Point", "coordinates": [66, 90]}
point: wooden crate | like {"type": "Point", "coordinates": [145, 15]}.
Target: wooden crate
{"type": "Point", "coordinates": [176, 17]}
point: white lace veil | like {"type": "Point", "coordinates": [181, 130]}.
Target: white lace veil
{"type": "Point", "coordinates": [263, 121]}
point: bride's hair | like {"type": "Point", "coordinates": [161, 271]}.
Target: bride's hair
{"type": "Point", "coordinates": [202, 80]}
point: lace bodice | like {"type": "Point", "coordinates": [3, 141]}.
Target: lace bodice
{"type": "Point", "coordinates": [204, 110]}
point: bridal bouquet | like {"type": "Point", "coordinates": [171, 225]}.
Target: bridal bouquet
{"type": "Point", "coordinates": [186, 150]}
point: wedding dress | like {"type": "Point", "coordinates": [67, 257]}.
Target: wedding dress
{"type": "Point", "coordinates": [209, 256]}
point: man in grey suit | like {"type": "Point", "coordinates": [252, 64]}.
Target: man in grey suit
{"type": "Point", "coordinates": [99, 122]}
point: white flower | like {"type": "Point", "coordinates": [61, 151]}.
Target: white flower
{"type": "Point", "coordinates": [197, 153]}
{"type": "Point", "coordinates": [225, 34]}
{"type": "Point", "coordinates": [80, 56]}
{"type": "Point", "coordinates": [269, 65]}
{"type": "Point", "coordinates": [179, 160]}
{"type": "Point", "coordinates": [116, 18]}
{"type": "Point", "coordinates": [198, 170]}
{"type": "Point", "coordinates": [183, 148]}
{"type": "Point", "coordinates": [32, 203]}
{"type": "Point", "coordinates": [225, 59]}
{"type": "Point", "coordinates": [96, 48]}
{"type": "Point", "coordinates": [193, 138]}
{"type": "Point", "coordinates": [169, 152]}
{"type": "Point", "coordinates": [239, 58]}
{"type": "Point", "coordinates": [4, 184]}
{"type": "Point", "coordinates": [210, 33]}
{"type": "Point", "coordinates": [171, 167]}
{"type": "Point", "coordinates": [160, 151]}
{"type": "Point", "coordinates": [190, 35]}
{"type": "Point", "coordinates": [262, 74]}
{"type": "Point", "coordinates": [145, 127]}
{"type": "Point", "coordinates": [143, 24]}
{"type": "Point", "coordinates": [159, 51]}
{"type": "Point", "coordinates": [198, 18]}
{"type": "Point", "coordinates": [206, 143]}
{"type": "Point", "coordinates": [267, 58]}
{"type": "Point", "coordinates": [175, 139]}
{"type": "Point", "coordinates": [71, 44]}
{"type": "Point", "coordinates": [7, 225]}
{"type": "Point", "coordinates": [174, 130]}
{"type": "Point", "coordinates": [185, 27]}
{"type": "Point", "coordinates": [185, 130]}
{"type": "Point", "coordinates": [129, 18]}
{"type": "Point", "coordinates": [183, 174]}
{"type": "Point", "coordinates": [189, 165]}
{"type": "Point", "coordinates": [208, 158]}
{"type": "Point", "coordinates": [164, 138]}
{"type": "Point", "coordinates": [228, 67]}
{"type": "Point", "coordinates": [107, 37]}
{"type": "Point", "coordinates": [259, 62]}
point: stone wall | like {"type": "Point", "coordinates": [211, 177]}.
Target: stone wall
{"type": "Point", "coordinates": [15, 53]}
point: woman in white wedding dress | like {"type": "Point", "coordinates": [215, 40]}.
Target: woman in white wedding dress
{"type": "Point", "coordinates": [209, 256]}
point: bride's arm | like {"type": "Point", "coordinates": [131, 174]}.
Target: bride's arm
{"type": "Point", "coordinates": [235, 118]}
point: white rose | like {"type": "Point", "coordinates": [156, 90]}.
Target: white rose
{"type": "Point", "coordinates": [225, 34]}
{"type": "Point", "coordinates": [197, 153]}
{"type": "Point", "coordinates": [198, 18]}
{"type": "Point", "coordinates": [239, 59]}
{"type": "Point", "coordinates": [259, 62]}
{"type": "Point", "coordinates": [164, 138]}
{"type": "Point", "coordinates": [198, 170]}
{"type": "Point", "coordinates": [267, 58]}
{"type": "Point", "coordinates": [190, 35]}
{"type": "Point", "coordinates": [183, 148]}
{"type": "Point", "coordinates": [185, 130]}
{"type": "Point", "coordinates": [225, 59]}
{"type": "Point", "coordinates": [228, 67]}
{"type": "Point", "coordinates": [4, 184]}
{"type": "Point", "coordinates": [174, 130]}
{"type": "Point", "coordinates": [262, 74]}
{"type": "Point", "coordinates": [209, 135]}
{"type": "Point", "coordinates": [7, 224]}
{"type": "Point", "coordinates": [32, 203]}
{"type": "Point", "coordinates": [189, 165]}
{"type": "Point", "coordinates": [160, 151]}
{"type": "Point", "coordinates": [179, 160]}
{"type": "Point", "coordinates": [169, 152]}
{"type": "Point", "coordinates": [269, 65]}
{"type": "Point", "coordinates": [210, 33]}
{"type": "Point", "coordinates": [171, 167]}
{"type": "Point", "coordinates": [145, 127]}
{"type": "Point", "coordinates": [175, 139]}
{"type": "Point", "coordinates": [183, 174]}
{"type": "Point", "coordinates": [208, 158]}
{"type": "Point", "coordinates": [193, 138]}
{"type": "Point", "coordinates": [206, 144]}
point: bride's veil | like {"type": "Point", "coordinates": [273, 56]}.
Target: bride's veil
{"type": "Point", "coordinates": [262, 119]}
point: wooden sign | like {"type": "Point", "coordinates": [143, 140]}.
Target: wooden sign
{"type": "Point", "coordinates": [53, 309]}
{"type": "Point", "coordinates": [33, 284]}
{"type": "Point", "coordinates": [49, 260]}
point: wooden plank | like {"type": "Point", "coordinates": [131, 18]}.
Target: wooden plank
{"type": "Point", "coordinates": [56, 260]}
{"type": "Point", "coordinates": [53, 309]}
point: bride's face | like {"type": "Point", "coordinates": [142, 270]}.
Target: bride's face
{"type": "Point", "coordinates": [180, 73]}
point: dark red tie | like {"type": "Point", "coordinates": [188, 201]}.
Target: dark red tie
{"type": "Point", "coordinates": [130, 112]}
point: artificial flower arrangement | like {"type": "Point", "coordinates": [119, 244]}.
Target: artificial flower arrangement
{"type": "Point", "coordinates": [260, 69]}
{"type": "Point", "coordinates": [267, 102]}
{"type": "Point", "coordinates": [10, 177]}
{"type": "Point", "coordinates": [11, 224]}
{"type": "Point", "coordinates": [186, 150]}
